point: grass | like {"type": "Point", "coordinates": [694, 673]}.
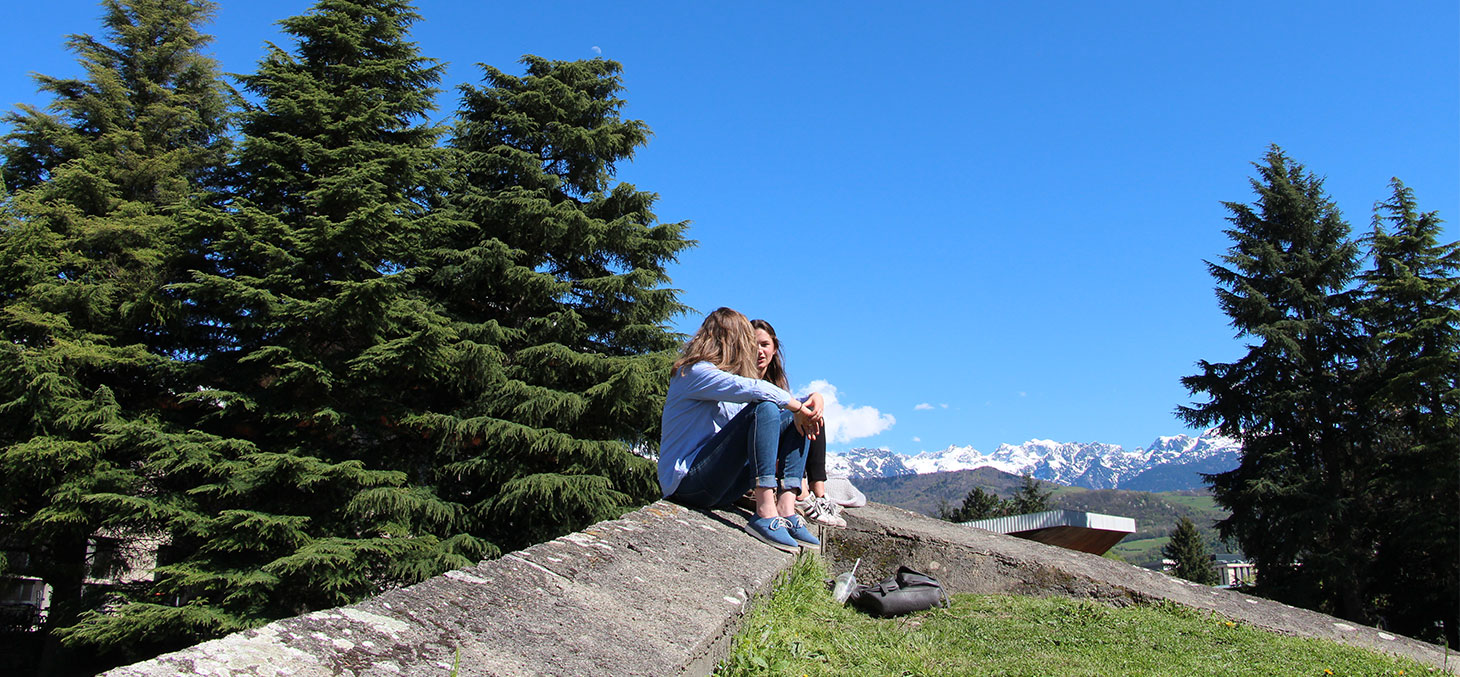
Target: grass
{"type": "Point", "coordinates": [1143, 551]}
{"type": "Point", "coordinates": [801, 631]}
{"type": "Point", "coordinates": [1200, 502]}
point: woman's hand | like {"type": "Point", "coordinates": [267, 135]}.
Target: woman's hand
{"type": "Point", "coordinates": [809, 421]}
{"type": "Point", "coordinates": [816, 404]}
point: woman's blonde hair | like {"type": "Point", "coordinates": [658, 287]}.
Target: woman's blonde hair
{"type": "Point", "coordinates": [726, 340]}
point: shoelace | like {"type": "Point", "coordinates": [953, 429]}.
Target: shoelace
{"type": "Point", "coordinates": [829, 506]}
{"type": "Point", "coordinates": [817, 506]}
{"type": "Point", "coordinates": [778, 523]}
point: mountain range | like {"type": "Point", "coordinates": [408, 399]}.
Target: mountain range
{"type": "Point", "coordinates": [1168, 464]}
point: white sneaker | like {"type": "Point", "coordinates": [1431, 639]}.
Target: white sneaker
{"type": "Point", "coordinates": [821, 510]}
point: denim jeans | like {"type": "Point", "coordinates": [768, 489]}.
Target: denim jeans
{"type": "Point", "coordinates": [759, 447]}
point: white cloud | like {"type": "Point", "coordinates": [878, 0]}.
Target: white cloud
{"type": "Point", "coordinates": [917, 439]}
{"type": "Point", "coordinates": [597, 50]}
{"type": "Point", "coordinates": [845, 422]}
{"type": "Point", "coordinates": [924, 407]}
{"type": "Point", "coordinates": [944, 405]}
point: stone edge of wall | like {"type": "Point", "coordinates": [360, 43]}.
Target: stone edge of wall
{"type": "Point", "coordinates": [660, 591]}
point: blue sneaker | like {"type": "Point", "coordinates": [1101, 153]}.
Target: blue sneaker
{"type": "Point", "coordinates": [772, 530]}
{"type": "Point", "coordinates": [798, 531]}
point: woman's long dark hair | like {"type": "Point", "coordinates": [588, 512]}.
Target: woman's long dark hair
{"type": "Point", "coordinates": [775, 372]}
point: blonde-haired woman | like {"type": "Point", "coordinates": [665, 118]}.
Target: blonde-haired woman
{"type": "Point", "coordinates": [725, 430]}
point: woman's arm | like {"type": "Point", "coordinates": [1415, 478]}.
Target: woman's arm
{"type": "Point", "coordinates": [702, 381]}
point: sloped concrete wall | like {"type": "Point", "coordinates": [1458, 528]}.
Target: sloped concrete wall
{"type": "Point", "coordinates": [965, 559]}
{"type": "Point", "coordinates": [659, 592]}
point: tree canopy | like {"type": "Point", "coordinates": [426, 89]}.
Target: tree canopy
{"type": "Point", "coordinates": [90, 332]}
{"type": "Point", "coordinates": [307, 345]}
{"type": "Point", "coordinates": [1345, 403]}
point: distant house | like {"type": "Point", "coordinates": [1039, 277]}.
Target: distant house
{"type": "Point", "coordinates": [1232, 570]}
{"type": "Point", "coordinates": [112, 562]}
{"type": "Point", "coordinates": [1089, 532]}
{"type": "Point", "coordinates": [22, 603]}
{"type": "Point", "coordinates": [1235, 570]}
{"type": "Point", "coordinates": [23, 598]}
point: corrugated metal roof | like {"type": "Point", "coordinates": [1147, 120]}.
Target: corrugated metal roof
{"type": "Point", "coordinates": [1055, 518]}
{"type": "Point", "coordinates": [1089, 532]}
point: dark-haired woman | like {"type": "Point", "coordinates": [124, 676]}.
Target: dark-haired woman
{"type": "Point", "coordinates": [770, 361]}
{"type": "Point", "coordinates": [725, 430]}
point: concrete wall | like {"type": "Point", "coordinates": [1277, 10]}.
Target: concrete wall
{"type": "Point", "coordinates": [661, 592]}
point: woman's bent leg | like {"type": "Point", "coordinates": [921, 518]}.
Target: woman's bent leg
{"type": "Point", "coordinates": [732, 461]}
{"type": "Point", "coordinates": [813, 501]}
{"type": "Point", "coordinates": [791, 453]}
{"type": "Point", "coordinates": [816, 461]}
{"type": "Point", "coordinates": [742, 454]}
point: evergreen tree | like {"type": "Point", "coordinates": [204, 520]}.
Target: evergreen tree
{"type": "Point", "coordinates": [87, 329]}
{"type": "Point", "coordinates": [324, 376]}
{"type": "Point", "coordinates": [1297, 498]}
{"type": "Point", "coordinates": [977, 504]}
{"type": "Point", "coordinates": [1030, 497]}
{"type": "Point", "coordinates": [304, 488]}
{"type": "Point", "coordinates": [1411, 308]}
{"type": "Point", "coordinates": [560, 273]}
{"type": "Point", "coordinates": [1189, 551]}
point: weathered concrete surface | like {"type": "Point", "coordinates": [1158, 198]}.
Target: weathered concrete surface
{"type": "Point", "coordinates": [973, 560]}
{"type": "Point", "coordinates": [659, 592]}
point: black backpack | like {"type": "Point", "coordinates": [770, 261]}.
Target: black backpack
{"type": "Point", "coordinates": [905, 592]}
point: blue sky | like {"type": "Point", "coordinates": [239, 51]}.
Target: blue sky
{"type": "Point", "coordinates": [980, 222]}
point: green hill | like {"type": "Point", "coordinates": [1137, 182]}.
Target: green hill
{"type": "Point", "coordinates": [924, 493]}
{"type": "Point", "coordinates": [1155, 514]}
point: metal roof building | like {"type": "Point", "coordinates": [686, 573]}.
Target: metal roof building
{"type": "Point", "coordinates": [1089, 532]}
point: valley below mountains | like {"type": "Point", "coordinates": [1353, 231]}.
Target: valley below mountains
{"type": "Point", "coordinates": [1155, 485]}
{"type": "Point", "coordinates": [1169, 464]}
{"type": "Point", "coordinates": [1155, 513]}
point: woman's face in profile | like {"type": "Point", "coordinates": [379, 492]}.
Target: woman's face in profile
{"type": "Point", "coordinates": [765, 349]}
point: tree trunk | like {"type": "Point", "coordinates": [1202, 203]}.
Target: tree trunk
{"type": "Point", "coordinates": [65, 573]}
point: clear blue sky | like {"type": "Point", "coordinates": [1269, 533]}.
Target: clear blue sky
{"type": "Point", "coordinates": [996, 209]}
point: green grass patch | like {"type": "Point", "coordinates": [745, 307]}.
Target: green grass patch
{"type": "Point", "coordinates": [1143, 551]}
{"type": "Point", "coordinates": [801, 631]}
{"type": "Point", "coordinates": [1198, 502]}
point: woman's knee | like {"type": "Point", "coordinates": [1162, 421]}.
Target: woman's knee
{"type": "Point", "coordinates": [766, 409]}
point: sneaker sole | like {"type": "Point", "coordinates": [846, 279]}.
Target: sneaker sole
{"type": "Point", "coordinates": [818, 518]}
{"type": "Point", "coordinates": [779, 546]}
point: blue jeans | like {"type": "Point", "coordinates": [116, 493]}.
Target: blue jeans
{"type": "Point", "coordinates": [759, 447]}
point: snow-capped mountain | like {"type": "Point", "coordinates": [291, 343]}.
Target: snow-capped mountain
{"type": "Point", "coordinates": [868, 463]}
{"type": "Point", "coordinates": [1168, 463]}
